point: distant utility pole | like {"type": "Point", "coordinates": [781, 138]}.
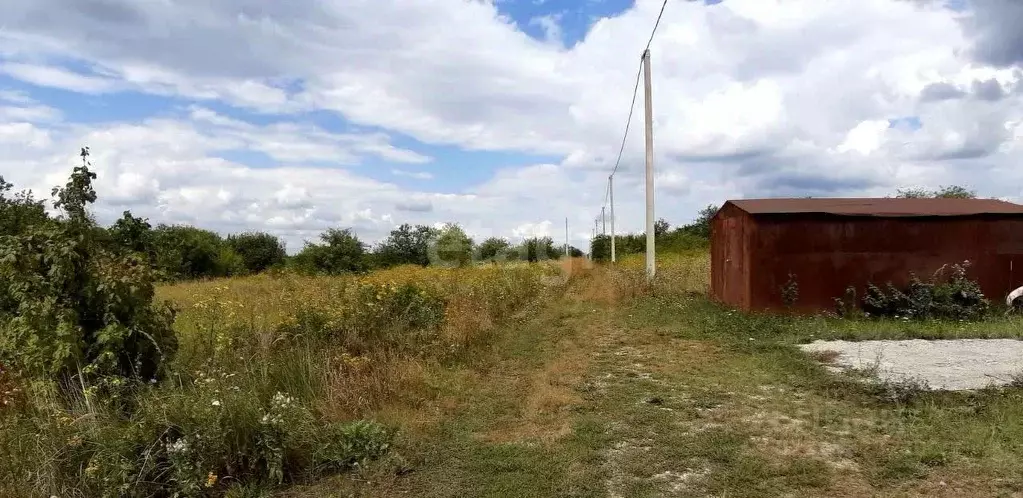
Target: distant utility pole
{"type": "Point", "coordinates": [651, 267]}
{"type": "Point", "coordinates": [603, 220]}
{"type": "Point", "coordinates": [611, 188]}
{"type": "Point", "coordinates": [566, 236]}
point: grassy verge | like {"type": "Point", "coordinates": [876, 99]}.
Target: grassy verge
{"type": "Point", "coordinates": [276, 381]}
{"type": "Point", "coordinates": [620, 390]}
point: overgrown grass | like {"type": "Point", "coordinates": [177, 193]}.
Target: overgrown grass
{"type": "Point", "coordinates": [272, 384]}
{"type": "Point", "coordinates": [875, 439]}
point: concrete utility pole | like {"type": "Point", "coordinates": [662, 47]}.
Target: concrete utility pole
{"type": "Point", "coordinates": [566, 236]}
{"type": "Point", "coordinates": [651, 266]}
{"type": "Point", "coordinates": [611, 188]}
{"type": "Point", "coordinates": [603, 220]}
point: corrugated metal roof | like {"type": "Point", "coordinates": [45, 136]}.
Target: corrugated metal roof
{"type": "Point", "coordinates": [879, 206]}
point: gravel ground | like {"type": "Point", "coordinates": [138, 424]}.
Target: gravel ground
{"type": "Point", "coordinates": [954, 365]}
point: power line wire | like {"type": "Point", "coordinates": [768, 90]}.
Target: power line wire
{"type": "Point", "coordinates": [628, 121]}
{"type": "Point", "coordinates": [632, 105]}
{"type": "Point", "coordinates": [657, 23]}
{"type": "Point", "coordinates": [635, 91]}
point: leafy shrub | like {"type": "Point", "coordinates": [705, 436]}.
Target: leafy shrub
{"type": "Point", "coordinates": [952, 296]}
{"type": "Point", "coordinates": [258, 250]}
{"type": "Point", "coordinates": [845, 306]}
{"type": "Point", "coordinates": [406, 245]}
{"type": "Point", "coordinates": [69, 308]}
{"type": "Point", "coordinates": [230, 263]}
{"type": "Point", "coordinates": [341, 252]}
{"type": "Point", "coordinates": [20, 211]}
{"type": "Point", "coordinates": [193, 442]}
{"type": "Point", "coordinates": [185, 252]}
{"type": "Point", "coordinates": [540, 249]}
{"type": "Point", "coordinates": [490, 248]}
{"type": "Point", "coordinates": [452, 247]}
{"type": "Point", "coordinates": [790, 291]}
{"type": "Point", "coordinates": [133, 234]}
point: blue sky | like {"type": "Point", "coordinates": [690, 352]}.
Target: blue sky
{"type": "Point", "coordinates": [295, 117]}
{"type": "Point", "coordinates": [575, 17]}
{"type": "Point", "coordinates": [452, 168]}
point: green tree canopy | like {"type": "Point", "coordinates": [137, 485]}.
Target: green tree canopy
{"type": "Point", "coordinates": [73, 310]}
{"type": "Point", "coordinates": [19, 211]}
{"type": "Point", "coordinates": [406, 244]}
{"type": "Point", "coordinates": [340, 251]}
{"type": "Point", "coordinates": [258, 250]}
{"type": "Point", "coordinates": [540, 249]}
{"type": "Point", "coordinates": [490, 248]}
{"type": "Point", "coordinates": [186, 252]}
{"type": "Point", "coordinates": [452, 247]}
{"type": "Point", "coordinates": [133, 234]}
{"type": "Point", "coordinates": [944, 192]}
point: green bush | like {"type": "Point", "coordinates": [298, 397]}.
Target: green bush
{"type": "Point", "coordinates": [20, 211]}
{"type": "Point", "coordinates": [949, 293]}
{"type": "Point", "coordinates": [259, 251]}
{"type": "Point", "coordinates": [489, 249]}
{"type": "Point", "coordinates": [451, 247]}
{"type": "Point", "coordinates": [406, 245]}
{"type": "Point", "coordinates": [73, 311]}
{"type": "Point", "coordinates": [186, 252]}
{"type": "Point", "coordinates": [198, 441]}
{"type": "Point", "coordinates": [340, 252]}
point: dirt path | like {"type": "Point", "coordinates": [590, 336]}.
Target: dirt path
{"type": "Point", "coordinates": [593, 398]}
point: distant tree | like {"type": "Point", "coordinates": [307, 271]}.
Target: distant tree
{"type": "Point", "coordinates": [661, 227]}
{"type": "Point", "coordinates": [133, 235]}
{"type": "Point", "coordinates": [701, 225]}
{"type": "Point", "coordinates": [540, 249]}
{"type": "Point", "coordinates": [341, 251]}
{"type": "Point", "coordinates": [72, 310]}
{"type": "Point", "coordinates": [20, 211]}
{"type": "Point", "coordinates": [600, 246]}
{"type": "Point", "coordinates": [944, 192]}
{"type": "Point", "coordinates": [452, 247]}
{"type": "Point", "coordinates": [489, 249]}
{"type": "Point", "coordinates": [258, 250]}
{"type": "Point", "coordinates": [406, 244]}
{"type": "Point", "coordinates": [185, 252]}
{"type": "Point", "coordinates": [230, 263]}
{"type": "Point", "coordinates": [575, 252]}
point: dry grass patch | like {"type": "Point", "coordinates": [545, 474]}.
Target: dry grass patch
{"type": "Point", "coordinates": [827, 357]}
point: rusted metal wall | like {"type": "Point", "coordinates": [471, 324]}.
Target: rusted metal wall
{"type": "Point", "coordinates": [829, 253]}
{"type": "Point", "coordinates": [730, 236]}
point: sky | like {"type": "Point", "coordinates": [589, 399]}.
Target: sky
{"type": "Point", "coordinates": [505, 116]}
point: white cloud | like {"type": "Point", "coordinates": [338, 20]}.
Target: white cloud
{"type": "Point", "coordinates": [751, 97]}
{"type": "Point", "coordinates": [57, 77]}
{"type": "Point", "coordinates": [550, 24]}
{"type": "Point", "coordinates": [418, 175]}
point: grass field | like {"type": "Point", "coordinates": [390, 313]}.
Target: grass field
{"type": "Point", "coordinates": [620, 390]}
{"type": "Point", "coordinates": [278, 379]}
{"type": "Point", "coordinates": [526, 381]}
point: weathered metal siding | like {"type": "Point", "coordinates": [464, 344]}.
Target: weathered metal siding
{"type": "Point", "coordinates": [828, 253]}
{"type": "Point", "coordinates": [730, 257]}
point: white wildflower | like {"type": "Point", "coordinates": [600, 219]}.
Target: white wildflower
{"type": "Point", "coordinates": [179, 446]}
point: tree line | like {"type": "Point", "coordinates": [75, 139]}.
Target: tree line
{"type": "Point", "coordinates": [181, 252]}
{"type": "Point", "coordinates": [683, 238]}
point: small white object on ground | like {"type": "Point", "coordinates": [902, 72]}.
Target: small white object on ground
{"type": "Point", "coordinates": [949, 365]}
{"type": "Point", "coordinates": [1014, 295]}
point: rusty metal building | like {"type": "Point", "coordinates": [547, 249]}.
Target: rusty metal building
{"type": "Point", "coordinates": [829, 244]}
